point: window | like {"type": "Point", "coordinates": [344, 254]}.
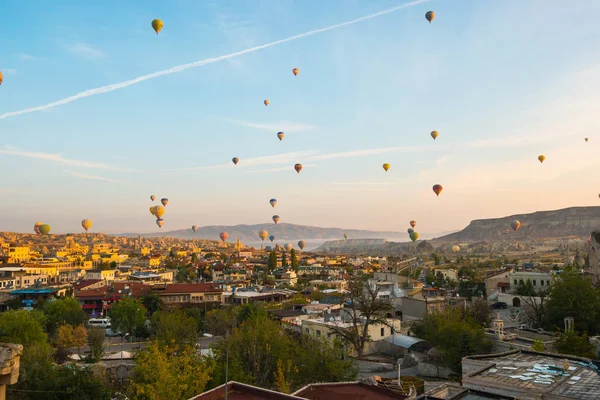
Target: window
{"type": "Point", "coordinates": [521, 281]}
{"type": "Point", "coordinates": [542, 282]}
{"type": "Point", "coordinates": [548, 283]}
{"type": "Point", "coordinates": [534, 282]}
{"type": "Point", "coordinates": [382, 332]}
{"type": "Point", "coordinates": [307, 330]}
{"type": "Point", "coordinates": [318, 332]}
{"type": "Point", "coordinates": [516, 283]}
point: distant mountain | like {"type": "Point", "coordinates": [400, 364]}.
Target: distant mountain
{"type": "Point", "coordinates": [249, 233]}
{"type": "Point", "coordinates": [568, 222]}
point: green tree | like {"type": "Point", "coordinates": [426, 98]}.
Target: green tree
{"type": "Point", "coordinates": [294, 260]}
{"type": "Point", "coordinates": [284, 262]}
{"type": "Point", "coordinates": [174, 326]}
{"type": "Point", "coordinates": [436, 258]}
{"type": "Point", "coordinates": [152, 302]}
{"type": "Point", "coordinates": [573, 294]}
{"type": "Point", "coordinates": [272, 263]}
{"type": "Point", "coordinates": [128, 315]}
{"type": "Point", "coordinates": [95, 340]}
{"type": "Point", "coordinates": [570, 342]}
{"type": "Point", "coordinates": [525, 289]}
{"type": "Point", "coordinates": [68, 336]}
{"type": "Point", "coordinates": [480, 312]}
{"type": "Point", "coordinates": [113, 265]}
{"type": "Point", "coordinates": [22, 327]}
{"type": "Point", "coordinates": [60, 312]}
{"type": "Point", "coordinates": [221, 321]}
{"type": "Point", "coordinates": [168, 372]}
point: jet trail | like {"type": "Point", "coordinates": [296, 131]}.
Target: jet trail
{"type": "Point", "coordinates": [179, 68]}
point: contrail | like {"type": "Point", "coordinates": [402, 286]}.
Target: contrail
{"type": "Point", "coordinates": [179, 68]}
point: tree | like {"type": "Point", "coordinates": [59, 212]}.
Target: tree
{"type": "Point", "coordinates": [480, 311]}
{"type": "Point", "coordinates": [128, 315]}
{"type": "Point", "coordinates": [534, 310]}
{"type": "Point", "coordinates": [152, 302]}
{"type": "Point", "coordinates": [283, 374]}
{"type": "Point", "coordinates": [67, 337]}
{"type": "Point", "coordinates": [570, 342]}
{"type": "Point", "coordinates": [294, 260]}
{"type": "Point", "coordinates": [95, 340]}
{"type": "Point", "coordinates": [272, 261]}
{"type": "Point", "coordinates": [168, 372]}
{"type": "Point", "coordinates": [221, 321]}
{"type": "Point", "coordinates": [22, 327]}
{"type": "Point", "coordinates": [284, 262]}
{"type": "Point", "coordinates": [436, 258]}
{"type": "Point", "coordinates": [365, 309]}
{"type": "Point", "coordinates": [173, 326]}
{"type": "Point", "coordinates": [525, 289]}
{"type": "Point", "coordinates": [113, 265]}
{"type": "Point", "coordinates": [65, 311]}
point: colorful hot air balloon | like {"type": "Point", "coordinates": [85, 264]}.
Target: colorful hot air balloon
{"type": "Point", "coordinates": [1, 78]}
{"type": "Point", "coordinates": [413, 223]}
{"type": "Point", "coordinates": [164, 201]}
{"type": "Point", "coordinates": [194, 228]}
{"type": "Point", "coordinates": [45, 229]}
{"type": "Point", "coordinates": [86, 224]}
{"type": "Point", "coordinates": [263, 235]}
{"type": "Point", "coordinates": [273, 202]}
{"type": "Point", "coordinates": [157, 25]}
{"type": "Point", "coordinates": [345, 236]}
{"type": "Point", "coordinates": [36, 227]}
{"type": "Point", "coordinates": [410, 230]}
{"type": "Point", "coordinates": [516, 224]}
{"type": "Point", "coordinates": [223, 236]}
{"type": "Point", "coordinates": [280, 135]}
{"type": "Point", "coordinates": [295, 71]}
{"type": "Point", "coordinates": [152, 210]}
{"type": "Point", "coordinates": [271, 238]}
{"type": "Point", "coordinates": [160, 222]}
{"type": "Point", "coordinates": [541, 157]}
{"type": "Point", "coordinates": [386, 166]}
{"type": "Point", "coordinates": [434, 134]}
{"type": "Point", "coordinates": [455, 248]}
{"type": "Point", "coordinates": [301, 244]}
{"type": "Point", "coordinates": [276, 218]}
{"type": "Point", "coordinates": [430, 15]}
{"type": "Point", "coordinates": [586, 139]}
{"type": "Point", "coordinates": [235, 160]}
{"type": "Point", "coordinates": [413, 236]}
{"type": "Point", "coordinates": [437, 189]}
{"type": "Point", "coordinates": [159, 211]}
{"type": "Point", "coordinates": [289, 246]}
{"type": "Point", "coordinates": [266, 102]}
{"type": "Point", "coordinates": [298, 167]}
{"type": "Point", "coordinates": [152, 197]}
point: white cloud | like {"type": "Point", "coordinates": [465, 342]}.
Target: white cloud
{"type": "Point", "coordinates": [57, 158]}
{"type": "Point", "coordinates": [274, 159]}
{"type": "Point", "coordinates": [84, 50]}
{"type": "Point", "coordinates": [96, 178]}
{"type": "Point", "coordinates": [280, 126]}
{"type": "Point", "coordinates": [370, 152]}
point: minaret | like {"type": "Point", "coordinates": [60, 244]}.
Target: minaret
{"type": "Point", "coordinates": [238, 247]}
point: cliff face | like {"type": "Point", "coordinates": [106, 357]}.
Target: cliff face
{"type": "Point", "coordinates": [568, 222]}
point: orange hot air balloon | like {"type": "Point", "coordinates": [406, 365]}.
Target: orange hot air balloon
{"type": "Point", "coordinates": [235, 160]}
{"type": "Point", "coordinates": [266, 102]}
{"type": "Point", "coordinates": [437, 189]}
{"type": "Point", "coordinates": [152, 210]}
{"type": "Point", "coordinates": [223, 236]}
{"type": "Point", "coordinates": [434, 134]}
{"type": "Point", "coordinates": [413, 223]}
{"type": "Point", "coordinates": [516, 224]}
{"type": "Point", "coordinates": [298, 167]}
{"type": "Point", "coordinates": [159, 211]}
{"type": "Point", "coordinates": [295, 71]}
{"type": "Point", "coordinates": [1, 77]}
{"type": "Point", "coordinates": [386, 166]}
{"type": "Point", "coordinates": [280, 135]}
{"type": "Point", "coordinates": [541, 157]}
{"type": "Point", "coordinates": [153, 197]}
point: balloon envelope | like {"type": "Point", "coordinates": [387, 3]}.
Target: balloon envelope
{"type": "Point", "coordinates": [280, 135]}
{"type": "Point", "coordinates": [235, 160]}
{"type": "Point", "coordinates": [430, 15]}
{"type": "Point", "coordinates": [345, 236]}
{"type": "Point", "coordinates": [386, 166]}
{"type": "Point", "coordinates": [271, 238]}
{"type": "Point", "coordinates": [273, 202]}
{"type": "Point", "coordinates": [159, 211]}
{"type": "Point", "coordinates": [36, 227]}
{"type": "Point", "coordinates": [301, 244]}
{"type": "Point", "coordinates": [86, 224]}
{"type": "Point", "coordinates": [289, 246]}
{"type": "Point", "coordinates": [434, 134]}
{"type": "Point", "coordinates": [45, 229]}
{"type": "Point", "coordinates": [413, 236]}
{"type": "Point", "coordinates": [160, 222]}
{"type": "Point", "coordinates": [541, 157]}
{"type": "Point", "coordinates": [455, 249]}
{"type": "Point", "coordinates": [410, 230]}
{"type": "Point", "coordinates": [295, 71]}
{"type": "Point", "coordinates": [223, 236]}
{"type": "Point", "coordinates": [437, 189]}
{"type": "Point", "coordinates": [1, 77]}
{"type": "Point", "coordinates": [157, 25]}
{"type": "Point", "coordinates": [586, 139]}
{"type": "Point", "coordinates": [413, 223]}
{"type": "Point", "coordinates": [263, 235]}
{"type": "Point", "coordinates": [153, 197]}
{"type": "Point", "coordinates": [298, 167]}
{"type": "Point", "coordinates": [266, 102]}
{"type": "Point", "coordinates": [194, 228]}
{"type": "Point", "coordinates": [516, 224]}
{"type": "Point", "coordinates": [164, 201]}
{"type": "Point", "coordinates": [276, 218]}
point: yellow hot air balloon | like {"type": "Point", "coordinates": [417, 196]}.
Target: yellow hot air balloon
{"type": "Point", "coordinates": [1, 77]}
{"type": "Point", "coordinates": [386, 166]}
{"type": "Point", "coordinates": [152, 210]}
{"type": "Point", "coordinates": [263, 235]}
{"type": "Point", "coordinates": [586, 139]}
{"type": "Point", "coordinates": [159, 211]}
{"type": "Point", "coordinates": [45, 229]}
{"type": "Point", "coordinates": [295, 71]}
{"type": "Point", "coordinates": [541, 157]}
{"type": "Point", "coordinates": [280, 135]}
{"type": "Point", "coordinates": [430, 15]}
{"type": "Point", "coordinates": [266, 102]}
{"type": "Point", "coordinates": [434, 134]}
{"type": "Point", "coordinates": [87, 224]}
{"type": "Point", "coordinates": [455, 249]}
{"type": "Point", "coordinates": [157, 25]}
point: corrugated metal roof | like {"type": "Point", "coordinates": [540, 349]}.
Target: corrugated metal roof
{"type": "Point", "coordinates": [403, 340]}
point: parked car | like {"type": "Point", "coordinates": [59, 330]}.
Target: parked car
{"type": "Point", "coordinates": [499, 305]}
{"type": "Point", "coordinates": [110, 333]}
{"type": "Point", "coordinates": [99, 322]}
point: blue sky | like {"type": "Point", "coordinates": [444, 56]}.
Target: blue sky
{"type": "Point", "coordinates": [502, 81]}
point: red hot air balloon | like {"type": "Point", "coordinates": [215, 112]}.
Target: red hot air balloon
{"type": "Point", "coordinates": [413, 223]}
{"type": "Point", "coordinates": [437, 189]}
{"type": "Point", "coordinates": [223, 236]}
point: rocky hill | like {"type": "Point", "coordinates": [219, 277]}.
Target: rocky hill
{"type": "Point", "coordinates": [568, 222]}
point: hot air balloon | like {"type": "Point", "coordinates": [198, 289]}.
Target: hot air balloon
{"type": "Point", "coordinates": [164, 201]}
{"type": "Point", "coordinates": [410, 230]}
{"type": "Point", "coordinates": [386, 166]}
{"type": "Point", "coordinates": [273, 202]}
{"type": "Point", "coordinates": [345, 236]}
{"type": "Point", "coordinates": [413, 223]}
{"type": "Point", "coordinates": [223, 236]}
{"type": "Point", "coordinates": [413, 236]}
{"type": "Point", "coordinates": [429, 15]}
{"type": "Point", "coordinates": [516, 224]}
{"type": "Point", "coordinates": [86, 224]}
{"type": "Point", "coordinates": [271, 238]}
{"type": "Point", "coordinates": [280, 135]}
{"type": "Point", "coordinates": [263, 235]}
{"type": "Point", "coordinates": [437, 189]}
{"type": "Point", "coordinates": [301, 244]}
{"type": "Point", "coordinates": [1, 77]}
{"type": "Point", "coordinates": [289, 246]}
{"type": "Point", "coordinates": [152, 210]}
{"type": "Point", "coordinates": [235, 160]}
{"type": "Point", "coordinates": [160, 222]}
{"type": "Point", "coordinates": [586, 139]}
{"type": "Point", "coordinates": [152, 197]}
{"type": "Point", "coordinates": [434, 134]}
{"type": "Point", "coordinates": [276, 218]}
{"type": "Point", "coordinates": [268, 248]}
{"type": "Point", "coordinates": [298, 167]}
{"type": "Point", "coordinates": [541, 157]}
{"type": "Point", "coordinates": [455, 249]}
{"type": "Point", "coordinates": [157, 25]}
{"type": "Point", "coordinates": [45, 229]}
{"type": "Point", "coordinates": [295, 71]}
{"type": "Point", "coordinates": [159, 211]}
{"type": "Point", "coordinates": [194, 228]}
{"type": "Point", "coordinates": [266, 102]}
{"type": "Point", "coordinates": [36, 227]}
